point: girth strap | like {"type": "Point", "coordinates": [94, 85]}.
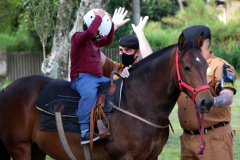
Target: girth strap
{"type": "Point", "coordinates": [61, 134]}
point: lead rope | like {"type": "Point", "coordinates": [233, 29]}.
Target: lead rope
{"type": "Point", "coordinates": [201, 126]}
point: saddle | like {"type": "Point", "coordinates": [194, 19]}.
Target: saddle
{"type": "Point", "coordinates": [59, 91]}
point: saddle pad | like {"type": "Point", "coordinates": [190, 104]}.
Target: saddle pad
{"type": "Point", "coordinates": [59, 90]}
{"type": "Point", "coordinates": [48, 123]}
{"type": "Point", "coordinates": [70, 124]}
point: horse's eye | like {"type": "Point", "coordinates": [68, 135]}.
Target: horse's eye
{"type": "Point", "coordinates": [186, 68]}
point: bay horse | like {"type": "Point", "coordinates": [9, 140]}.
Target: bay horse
{"type": "Point", "coordinates": [150, 92]}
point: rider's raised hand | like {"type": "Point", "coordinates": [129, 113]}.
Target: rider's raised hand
{"type": "Point", "coordinates": [99, 12]}
{"type": "Point", "coordinates": [118, 18]}
{"type": "Point", "coordinates": [140, 27]}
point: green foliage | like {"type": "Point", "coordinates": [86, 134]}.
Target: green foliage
{"type": "Point", "coordinates": [40, 17]}
{"type": "Point", "coordinates": [159, 37]}
{"type": "Point", "coordinates": [22, 40]}
{"type": "Point", "coordinates": [9, 16]}
{"type": "Point", "coordinates": [39, 14]}
{"type": "Point", "coordinates": [231, 55]}
{"type": "Point", "coordinates": [157, 9]}
{"type": "Point", "coordinates": [5, 84]}
{"type": "Point", "coordinates": [225, 38]}
{"type": "Point", "coordinates": [197, 12]}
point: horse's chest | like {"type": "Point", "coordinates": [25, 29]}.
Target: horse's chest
{"type": "Point", "coordinates": [151, 147]}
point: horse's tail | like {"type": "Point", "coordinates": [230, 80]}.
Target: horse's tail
{"type": "Point", "coordinates": [3, 151]}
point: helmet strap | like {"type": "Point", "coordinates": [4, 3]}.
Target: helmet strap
{"type": "Point", "coordinates": [97, 38]}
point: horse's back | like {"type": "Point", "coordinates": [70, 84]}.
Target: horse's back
{"type": "Point", "coordinates": [20, 97]}
{"type": "Point", "coordinates": [28, 83]}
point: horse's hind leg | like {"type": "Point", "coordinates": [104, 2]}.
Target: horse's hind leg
{"type": "Point", "coordinates": [36, 153]}
{"type": "Point", "coordinates": [3, 152]}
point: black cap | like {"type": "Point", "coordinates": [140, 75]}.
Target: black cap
{"type": "Point", "coordinates": [192, 33]}
{"type": "Point", "coordinates": [129, 41]}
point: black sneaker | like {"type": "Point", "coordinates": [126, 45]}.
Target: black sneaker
{"type": "Point", "coordinates": [86, 138]}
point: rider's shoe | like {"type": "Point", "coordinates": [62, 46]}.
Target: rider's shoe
{"type": "Point", "coordinates": [86, 138]}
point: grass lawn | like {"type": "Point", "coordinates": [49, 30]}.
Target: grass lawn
{"type": "Point", "coordinates": [171, 151]}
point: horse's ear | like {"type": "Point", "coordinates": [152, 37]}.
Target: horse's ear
{"type": "Point", "coordinates": [181, 42]}
{"type": "Point", "coordinates": [200, 39]}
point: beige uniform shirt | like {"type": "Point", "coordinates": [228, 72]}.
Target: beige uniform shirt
{"type": "Point", "coordinates": [110, 66]}
{"type": "Point", "coordinates": [186, 108]}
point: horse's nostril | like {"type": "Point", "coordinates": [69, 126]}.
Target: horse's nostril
{"type": "Point", "coordinates": [203, 102]}
{"type": "Point", "coordinates": [206, 104]}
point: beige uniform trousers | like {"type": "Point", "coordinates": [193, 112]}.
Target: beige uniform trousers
{"type": "Point", "coordinates": [218, 145]}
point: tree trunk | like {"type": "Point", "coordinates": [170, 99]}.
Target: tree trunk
{"type": "Point", "coordinates": [136, 11]}
{"type": "Point", "coordinates": [180, 5]}
{"type": "Point", "coordinates": [44, 51]}
{"type": "Point", "coordinates": [56, 65]}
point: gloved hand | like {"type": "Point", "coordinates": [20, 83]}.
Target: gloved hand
{"type": "Point", "coordinates": [140, 28]}
{"type": "Point", "coordinates": [118, 18]}
{"type": "Point", "coordinates": [125, 73]}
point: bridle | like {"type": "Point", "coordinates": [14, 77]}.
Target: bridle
{"type": "Point", "coordinates": [183, 84]}
{"type": "Point", "coordinates": [194, 91]}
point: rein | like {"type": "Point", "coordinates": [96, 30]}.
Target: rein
{"type": "Point", "coordinates": [111, 91]}
{"type": "Point", "coordinates": [194, 91]}
{"type": "Point", "coordinates": [139, 118]}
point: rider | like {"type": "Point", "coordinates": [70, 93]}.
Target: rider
{"type": "Point", "coordinates": [130, 47]}
{"type": "Point", "coordinates": [86, 72]}
{"type": "Point", "coordinates": [218, 131]}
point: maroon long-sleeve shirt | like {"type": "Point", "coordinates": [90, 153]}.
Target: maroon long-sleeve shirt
{"type": "Point", "coordinates": [85, 54]}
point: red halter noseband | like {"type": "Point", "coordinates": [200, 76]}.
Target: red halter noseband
{"type": "Point", "coordinates": [181, 83]}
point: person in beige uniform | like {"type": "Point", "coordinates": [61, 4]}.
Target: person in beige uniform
{"type": "Point", "coordinates": [130, 47]}
{"type": "Point", "coordinates": [218, 134]}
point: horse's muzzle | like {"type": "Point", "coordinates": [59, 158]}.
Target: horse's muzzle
{"type": "Point", "coordinates": [204, 105]}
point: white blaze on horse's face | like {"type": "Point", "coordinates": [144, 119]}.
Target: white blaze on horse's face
{"type": "Point", "coordinates": [197, 59]}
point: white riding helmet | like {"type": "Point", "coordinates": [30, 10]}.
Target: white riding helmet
{"type": "Point", "coordinates": [105, 26]}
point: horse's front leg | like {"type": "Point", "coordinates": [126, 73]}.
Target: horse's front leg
{"type": "Point", "coordinates": [20, 151]}
{"type": "Point", "coordinates": [126, 157]}
{"type": "Point", "coordinates": [36, 153]}
{"type": "Point", "coordinates": [3, 152]}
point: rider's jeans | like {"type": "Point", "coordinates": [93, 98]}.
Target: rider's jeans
{"type": "Point", "coordinates": [86, 85]}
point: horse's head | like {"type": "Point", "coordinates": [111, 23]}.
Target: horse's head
{"type": "Point", "coordinates": [193, 73]}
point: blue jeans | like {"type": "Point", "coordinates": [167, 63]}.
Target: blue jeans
{"type": "Point", "coordinates": [86, 85]}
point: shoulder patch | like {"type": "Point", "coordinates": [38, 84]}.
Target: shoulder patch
{"type": "Point", "coordinates": [230, 73]}
{"type": "Point", "coordinates": [227, 70]}
{"type": "Point", "coordinates": [227, 79]}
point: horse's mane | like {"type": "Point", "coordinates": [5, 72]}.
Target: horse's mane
{"type": "Point", "coordinates": [164, 52]}
{"type": "Point", "coordinates": [154, 55]}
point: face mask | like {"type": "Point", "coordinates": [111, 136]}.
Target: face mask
{"type": "Point", "coordinates": [127, 59]}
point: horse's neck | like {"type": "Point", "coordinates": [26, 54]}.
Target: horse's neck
{"type": "Point", "coordinates": [153, 93]}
